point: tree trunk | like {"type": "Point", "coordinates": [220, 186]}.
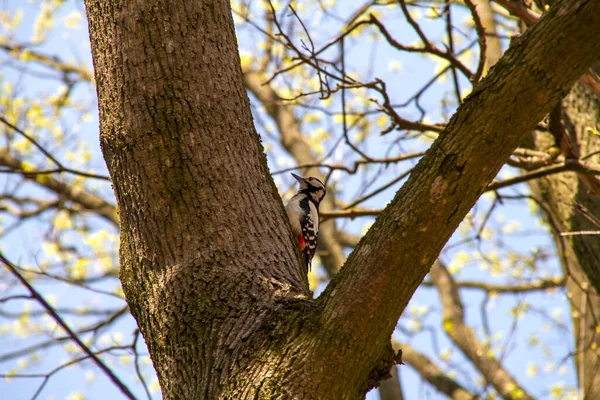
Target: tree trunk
{"type": "Point", "coordinates": [574, 208]}
{"type": "Point", "coordinates": [208, 262]}
{"type": "Point", "coordinates": [205, 251]}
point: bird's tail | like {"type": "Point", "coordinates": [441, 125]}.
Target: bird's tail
{"type": "Point", "coordinates": [307, 262]}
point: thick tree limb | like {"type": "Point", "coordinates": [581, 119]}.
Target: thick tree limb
{"type": "Point", "coordinates": [390, 262]}
{"type": "Point", "coordinates": [207, 255]}
{"type": "Point", "coordinates": [572, 210]}
{"type": "Point", "coordinates": [520, 10]}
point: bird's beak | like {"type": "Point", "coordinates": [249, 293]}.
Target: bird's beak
{"type": "Point", "coordinates": [299, 178]}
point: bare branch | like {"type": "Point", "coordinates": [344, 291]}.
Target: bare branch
{"type": "Point", "coordinates": [510, 288]}
{"type": "Point", "coordinates": [88, 201]}
{"type": "Point", "coordinates": [465, 339]}
{"type": "Point", "coordinates": [61, 167]}
{"type": "Point", "coordinates": [518, 9]}
{"type": "Point", "coordinates": [352, 213]}
{"type": "Point", "coordinates": [427, 48]}
{"type": "Point", "coordinates": [432, 374]}
{"type": "Point", "coordinates": [482, 41]}
{"type": "Point", "coordinates": [567, 165]}
{"type": "Point", "coordinates": [295, 144]}
{"type": "Point", "coordinates": [40, 299]}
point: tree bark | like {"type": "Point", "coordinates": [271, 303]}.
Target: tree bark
{"type": "Point", "coordinates": [565, 198]}
{"type": "Point", "coordinates": [392, 259]}
{"type": "Point", "coordinates": [572, 207]}
{"type": "Point", "coordinates": [208, 263]}
{"type": "Point", "coordinates": [205, 250]}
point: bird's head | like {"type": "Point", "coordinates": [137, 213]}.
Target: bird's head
{"type": "Point", "coordinates": [311, 186]}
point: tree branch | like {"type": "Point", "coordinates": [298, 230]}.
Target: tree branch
{"type": "Point", "coordinates": [432, 374]}
{"type": "Point", "coordinates": [466, 340]}
{"type": "Point", "coordinates": [567, 165]}
{"type": "Point", "coordinates": [519, 10]}
{"type": "Point", "coordinates": [383, 272]}
{"type": "Point", "coordinates": [88, 201]}
{"type": "Point", "coordinates": [352, 213]}
{"type": "Point", "coordinates": [51, 62]}
{"type": "Point", "coordinates": [40, 299]}
{"type": "Point", "coordinates": [59, 166]}
{"type": "Point", "coordinates": [510, 289]}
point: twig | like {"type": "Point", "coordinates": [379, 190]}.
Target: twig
{"type": "Point", "coordinates": [580, 233]}
{"type": "Point", "coordinates": [510, 289]}
{"type": "Point", "coordinates": [325, 215]}
{"type": "Point", "coordinates": [37, 296]}
{"type": "Point", "coordinates": [345, 124]}
{"type": "Point", "coordinates": [323, 84]}
{"type": "Point", "coordinates": [61, 168]}
{"type": "Point", "coordinates": [481, 39]}
{"type": "Point", "coordinates": [377, 191]}
{"type": "Point", "coordinates": [518, 9]}
{"type": "Point", "coordinates": [568, 165]}
{"type": "Point", "coordinates": [137, 364]}
{"type": "Point", "coordinates": [448, 13]}
{"type": "Point", "coordinates": [427, 46]}
{"type": "Point", "coordinates": [352, 170]}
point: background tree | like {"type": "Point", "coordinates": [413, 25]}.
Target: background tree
{"type": "Point", "coordinates": [336, 135]}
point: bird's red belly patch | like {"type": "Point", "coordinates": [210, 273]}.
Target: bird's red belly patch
{"type": "Point", "coordinates": [302, 242]}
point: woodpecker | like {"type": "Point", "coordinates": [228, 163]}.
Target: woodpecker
{"type": "Point", "coordinates": [303, 212]}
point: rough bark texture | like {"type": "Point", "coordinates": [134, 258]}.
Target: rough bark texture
{"type": "Point", "coordinates": [392, 259]}
{"type": "Point", "coordinates": [572, 207]}
{"type": "Point", "coordinates": [208, 264]}
{"type": "Point", "coordinates": [560, 193]}
{"type": "Point", "coordinates": [192, 187]}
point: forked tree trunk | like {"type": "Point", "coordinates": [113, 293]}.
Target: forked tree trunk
{"type": "Point", "coordinates": [208, 263]}
{"type": "Point", "coordinates": [205, 253]}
